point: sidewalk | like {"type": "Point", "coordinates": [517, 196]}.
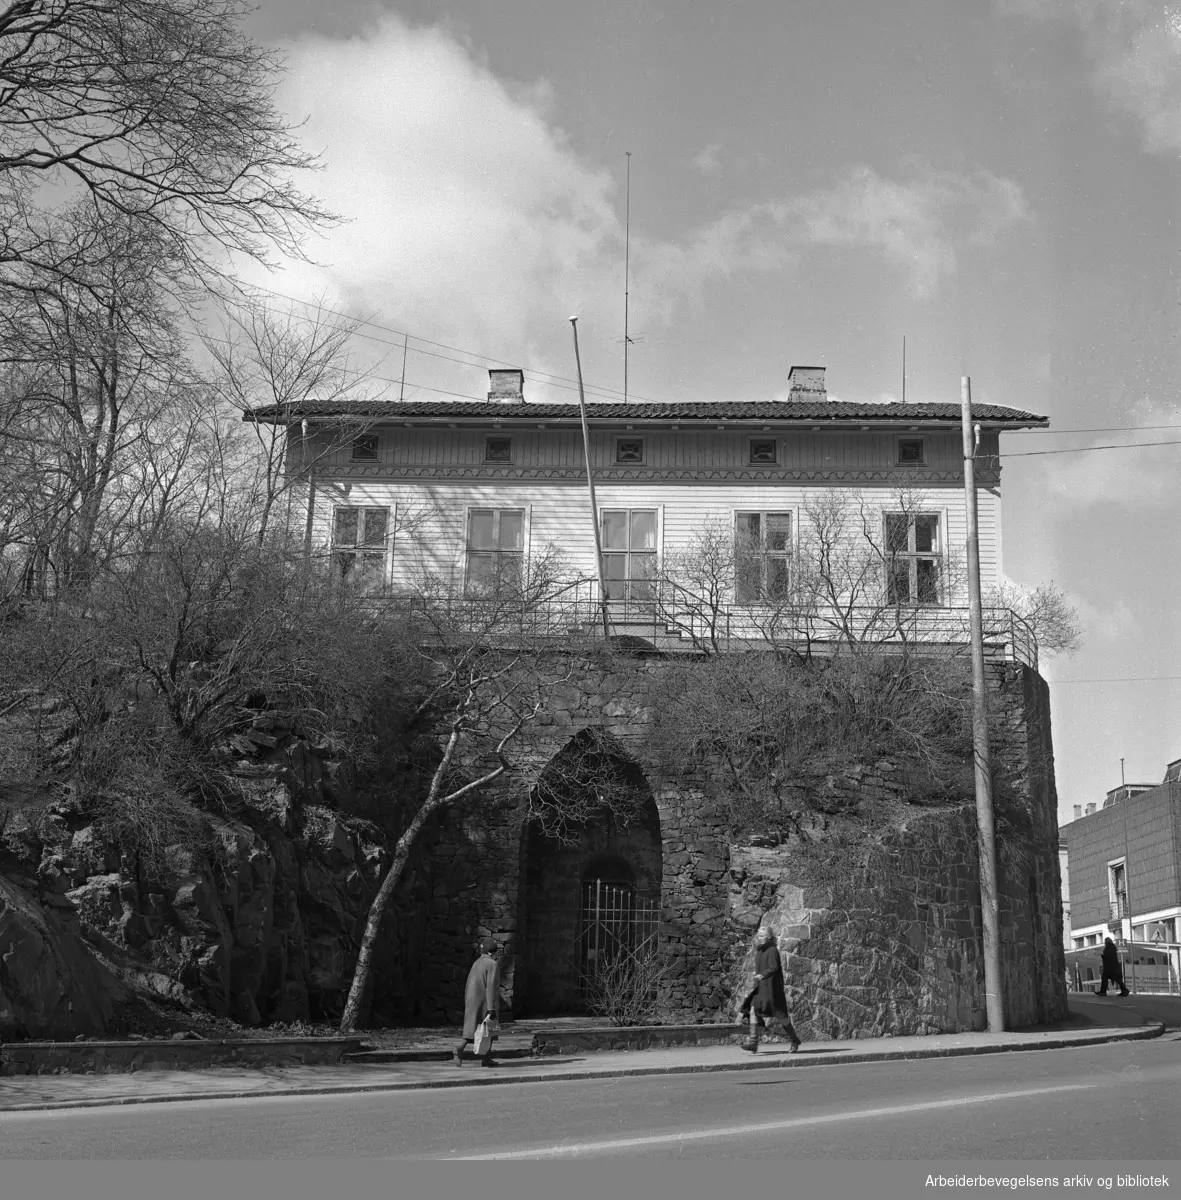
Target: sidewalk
{"type": "Point", "coordinates": [1092, 1023]}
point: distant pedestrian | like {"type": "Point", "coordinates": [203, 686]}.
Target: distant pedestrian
{"type": "Point", "coordinates": [1112, 969]}
{"type": "Point", "coordinates": [766, 1003]}
{"type": "Point", "coordinates": [481, 999]}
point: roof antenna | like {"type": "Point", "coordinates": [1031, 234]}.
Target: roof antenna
{"type": "Point", "coordinates": [627, 226]}
{"type": "Point", "coordinates": [904, 368]}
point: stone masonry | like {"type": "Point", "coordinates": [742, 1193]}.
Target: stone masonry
{"type": "Point", "coordinates": [893, 947]}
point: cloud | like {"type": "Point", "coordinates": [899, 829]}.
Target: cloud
{"type": "Point", "coordinates": [1108, 479]}
{"type": "Point", "coordinates": [706, 161]}
{"type": "Point", "coordinates": [1134, 47]}
{"type": "Point", "coordinates": [471, 218]}
{"type": "Point", "coordinates": [916, 223]}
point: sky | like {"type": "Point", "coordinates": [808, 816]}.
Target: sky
{"type": "Point", "coordinates": [995, 181]}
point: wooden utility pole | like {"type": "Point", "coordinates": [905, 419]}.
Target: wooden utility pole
{"type": "Point", "coordinates": [590, 485]}
{"type": "Point", "coordinates": [989, 910]}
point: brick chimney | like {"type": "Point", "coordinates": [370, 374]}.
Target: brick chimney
{"type": "Point", "coordinates": [506, 385]}
{"type": "Point", "coordinates": [807, 383]}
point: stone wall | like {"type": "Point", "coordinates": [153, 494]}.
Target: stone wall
{"type": "Point", "coordinates": [889, 942]}
{"type": "Point", "coordinates": [893, 949]}
{"type": "Point", "coordinates": [264, 925]}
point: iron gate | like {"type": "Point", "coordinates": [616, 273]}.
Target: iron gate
{"type": "Point", "coordinates": [614, 922]}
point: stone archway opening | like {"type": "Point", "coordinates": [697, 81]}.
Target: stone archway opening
{"type": "Point", "coordinates": [589, 884]}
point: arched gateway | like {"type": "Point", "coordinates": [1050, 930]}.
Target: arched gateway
{"type": "Point", "coordinates": [590, 888]}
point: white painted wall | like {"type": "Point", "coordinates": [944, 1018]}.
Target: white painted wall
{"type": "Point", "coordinates": [428, 527]}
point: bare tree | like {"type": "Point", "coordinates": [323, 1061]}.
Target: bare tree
{"type": "Point", "coordinates": [1046, 609]}
{"type": "Point", "coordinates": [95, 369]}
{"type": "Point", "coordinates": [485, 655]}
{"type": "Point", "coordinates": [274, 368]}
{"type": "Point", "coordinates": [161, 111]}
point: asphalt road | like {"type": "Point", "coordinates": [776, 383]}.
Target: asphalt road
{"type": "Point", "coordinates": [1120, 1100]}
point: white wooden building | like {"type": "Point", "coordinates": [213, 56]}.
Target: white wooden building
{"type": "Point", "coordinates": [461, 490]}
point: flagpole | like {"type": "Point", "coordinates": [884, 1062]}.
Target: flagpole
{"type": "Point", "coordinates": [590, 484]}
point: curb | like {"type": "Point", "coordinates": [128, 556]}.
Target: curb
{"type": "Point", "coordinates": [777, 1062]}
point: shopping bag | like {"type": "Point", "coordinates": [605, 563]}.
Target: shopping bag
{"type": "Point", "coordinates": [483, 1037]}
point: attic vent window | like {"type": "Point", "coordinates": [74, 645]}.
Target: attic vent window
{"type": "Point", "coordinates": [912, 452]}
{"type": "Point", "coordinates": [498, 449]}
{"type": "Point", "coordinates": [365, 448]}
{"type": "Point", "coordinates": [629, 450]}
{"type": "Point", "coordinates": [762, 450]}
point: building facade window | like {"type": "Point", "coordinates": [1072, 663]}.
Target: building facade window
{"type": "Point", "coordinates": [914, 558]}
{"type": "Point", "coordinates": [762, 544]}
{"type": "Point", "coordinates": [495, 547]}
{"type": "Point", "coordinates": [1117, 889]}
{"type": "Point", "coordinates": [763, 450]}
{"type": "Point", "coordinates": [629, 450]}
{"type": "Point", "coordinates": [629, 552]}
{"type": "Point", "coordinates": [359, 545]}
{"type": "Point", "coordinates": [364, 448]}
{"type": "Point", "coordinates": [498, 449]}
{"type": "Point", "coordinates": [912, 451]}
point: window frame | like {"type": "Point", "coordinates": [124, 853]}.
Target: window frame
{"type": "Point", "coordinates": [787, 556]}
{"type": "Point", "coordinates": [630, 591]}
{"type": "Point", "coordinates": [1120, 865]}
{"type": "Point", "coordinates": [912, 557]}
{"type": "Point", "coordinates": [370, 439]}
{"type": "Point", "coordinates": [469, 581]}
{"type": "Point", "coordinates": [630, 462]}
{"type": "Point", "coordinates": [752, 461]}
{"type": "Point", "coordinates": [360, 551]}
{"type": "Point", "coordinates": [508, 444]}
{"type": "Point", "coordinates": [899, 461]}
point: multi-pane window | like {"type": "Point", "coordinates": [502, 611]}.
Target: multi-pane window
{"type": "Point", "coordinates": [495, 547]}
{"type": "Point", "coordinates": [498, 449]}
{"type": "Point", "coordinates": [365, 448]}
{"type": "Point", "coordinates": [762, 450]}
{"type": "Point", "coordinates": [913, 558]}
{"type": "Point", "coordinates": [629, 552]}
{"type": "Point", "coordinates": [762, 556]}
{"type": "Point", "coordinates": [629, 450]}
{"type": "Point", "coordinates": [358, 546]}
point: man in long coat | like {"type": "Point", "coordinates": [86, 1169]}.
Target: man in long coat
{"type": "Point", "coordinates": [481, 998]}
{"type": "Point", "coordinates": [766, 1003]}
{"type": "Point", "coordinates": [1112, 969]}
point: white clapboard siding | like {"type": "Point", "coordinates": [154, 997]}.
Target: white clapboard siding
{"type": "Point", "coordinates": [429, 520]}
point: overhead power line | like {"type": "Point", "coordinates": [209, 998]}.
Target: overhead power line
{"type": "Point", "coordinates": [1083, 449]}
{"type": "Point", "coordinates": [567, 383]}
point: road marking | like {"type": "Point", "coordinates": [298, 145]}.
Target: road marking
{"type": "Point", "coordinates": [745, 1130]}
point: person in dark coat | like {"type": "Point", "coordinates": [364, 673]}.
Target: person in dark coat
{"type": "Point", "coordinates": [1112, 969]}
{"type": "Point", "coordinates": [481, 998]}
{"type": "Point", "coordinates": [766, 1004]}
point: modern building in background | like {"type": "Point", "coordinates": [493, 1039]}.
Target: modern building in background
{"type": "Point", "coordinates": [1124, 876]}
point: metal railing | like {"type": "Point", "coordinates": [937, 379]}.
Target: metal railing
{"type": "Point", "coordinates": [615, 923]}
{"type": "Point", "coordinates": [670, 617]}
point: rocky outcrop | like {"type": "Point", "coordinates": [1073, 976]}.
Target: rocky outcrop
{"type": "Point", "coordinates": [260, 923]}
{"type": "Point", "coordinates": [51, 985]}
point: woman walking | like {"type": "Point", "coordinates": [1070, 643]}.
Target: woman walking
{"type": "Point", "coordinates": [767, 1002]}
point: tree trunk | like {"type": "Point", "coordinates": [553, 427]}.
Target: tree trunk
{"type": "Point", "coordinates": [352, 1009]}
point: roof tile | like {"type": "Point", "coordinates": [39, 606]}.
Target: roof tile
{"type": "Point", "coordinates": [777, 410]}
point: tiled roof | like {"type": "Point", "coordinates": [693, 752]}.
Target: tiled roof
{"type": "Point", "coordinates": [768, 410]}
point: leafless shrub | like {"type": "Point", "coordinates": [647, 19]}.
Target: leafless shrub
{"type": "Point", "coordinates": [626, 986]}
